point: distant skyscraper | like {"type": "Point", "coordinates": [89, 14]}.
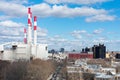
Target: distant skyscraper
{"type": "Point", "coordinates": [99, 51]}
{"type": "Point", "coordinates": [117, 56]}
{"type": "Point", "coordinates": [86, 50]}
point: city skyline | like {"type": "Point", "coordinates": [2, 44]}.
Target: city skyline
{"type": "Point", "coordinates": [72, 24]}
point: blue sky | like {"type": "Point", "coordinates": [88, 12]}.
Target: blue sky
{"type": "Point", "coordinates": [72, 24]}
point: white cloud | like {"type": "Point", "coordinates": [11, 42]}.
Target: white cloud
{"type": "Point", "coordinates": [76, 1]}
{"type": "Point", "coordinates": [42, 10]}
{"type": "Point", "coordinates": [78, 33]}
{"type": "Point", "coordinates": [77, 36]}
{"type": "Point", "coordinates": [17, 34]}
{"type": "Point", "coordinates": [78, 44]}
{"type": "Point", "coordinates": [4, 39]}
{"type": "Point", "coordinates": [57, 43]}
{"type": "Point", "coordinates": [41, 32]}
{"type": "Point", "coordinates": [57, 38]}
{"type": "Point", "coordinates": [9, 23]}
{"type": "Point", "coordinates": [3, 17]}
{"type": "Point", "coordinates": [16, 1]}
{"type": "Point", "coordinates": [45, 10]}
{"type": "Point", "coordinates": [100, 17]}
{"type": "Point", "coordinates": [13, 9]}
{"type": "Point", "coordinates": [42, 39]}
{"type": "Point", "coordinates": [65, 11]}
{"type": "Point", "coordinates": [11, 30]}
{"type": "Point", "coordinates": [101, 40]}
{"type": "Point", "coordinates": [10, 34]}
{"type": "Point", "coordinates": [11, 37]}
{"type": "Point", "coordinates": [98, 31]}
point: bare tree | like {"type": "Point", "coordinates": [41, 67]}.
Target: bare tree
{"type": "Point", "coordinates": [15, 71]}
{"type": "Point", "coordinates": [39, 70]}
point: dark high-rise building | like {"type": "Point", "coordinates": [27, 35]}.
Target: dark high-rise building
{"type": "Point", "coordinates": [83, 50]}
{"type": "Point", "coordinates": [117, 56]}
{"type": "Point", "coordinates": [99, 51]}
{"type": "Point", "coordinates": [87, 49]}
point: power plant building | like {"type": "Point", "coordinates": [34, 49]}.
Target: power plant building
{"type": "Point", "coordinates": [29, 49]}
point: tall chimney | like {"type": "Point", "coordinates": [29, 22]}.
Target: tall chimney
{"type": "Point", "coordinates": [25, 36]}
{"type": "Point", "coordinates": [29, 39]}
{"type": "Point", "coordinates": [35, 30]}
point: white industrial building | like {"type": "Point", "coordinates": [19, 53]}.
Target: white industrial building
{"type": "Point", "coordinates": [25, 50]}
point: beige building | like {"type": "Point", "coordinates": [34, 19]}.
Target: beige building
{"type": "Point", "coordinates": [107, 55]}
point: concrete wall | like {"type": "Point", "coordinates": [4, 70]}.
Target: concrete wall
{"type": "Point", "coordinates": [42, 51]}
{"type": "Point", "coordinates": [8, 55]}
{"type": "Point", "coordinates": [22, 51]}
{"type": "Point", "coordinates": [1, 48]}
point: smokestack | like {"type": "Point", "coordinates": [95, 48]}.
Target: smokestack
{"type": "Point", "coordinates": [29, 39]}
{"type": "Point", "coordinates": [35, 30]}
{"type": "Point", "coordinates": [25, 36]}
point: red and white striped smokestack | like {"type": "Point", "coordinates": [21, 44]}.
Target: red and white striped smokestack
{"type": "Point", "coordinates": [35, 30]}
{"type": "Point", "coordinates": [29, 39]}
{"type": "Point", "coordinates": [25, 36]}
